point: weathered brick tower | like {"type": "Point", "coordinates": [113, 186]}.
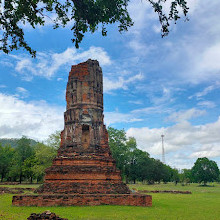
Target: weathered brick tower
{"type": "Point", "coordinates": [84, 163]}
{"type": "Point", "coordinates": [84, 172]}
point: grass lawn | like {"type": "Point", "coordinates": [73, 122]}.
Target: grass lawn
{"type": "Point", "coordinates": [202, 204]}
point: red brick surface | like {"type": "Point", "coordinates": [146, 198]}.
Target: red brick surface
{"type": "Point", "coordinates": [82, 199]}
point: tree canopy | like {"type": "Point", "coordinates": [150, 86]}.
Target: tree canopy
{"type": "Point", "coordinates": [26, 162]}
{"type": "Point", "coordinates": [86, 15]}
{"type": "Point", "coordinates": [136, 164]}
{"type": "Point", "coordinates": [205, 170]}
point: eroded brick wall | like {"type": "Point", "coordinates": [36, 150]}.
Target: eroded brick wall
{"type": "Point", "coordinates": [83, 199]}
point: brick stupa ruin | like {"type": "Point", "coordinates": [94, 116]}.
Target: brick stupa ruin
{"type": "Point", "coordinates": [84, 172]}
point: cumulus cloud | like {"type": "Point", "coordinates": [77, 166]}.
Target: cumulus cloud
{"type": "Point", "coordinates": [34, 119]}
{"type": "Point", "coordinates": [142, 16]}
{"type": "Point", "coordinates": [185, 115]}
{"type": "Point", "coordinates": [206, 64]}
{"type": "Point", "coordinates": [111, 84]}
{"type": "Point", "coordinates": [198, 57]}
{"type": "Point", "coordinates": [180, 139]}
{"type": "Point", "coordinates": [214, 152]}
{"type": "Point", "coordinates": [47, 64]}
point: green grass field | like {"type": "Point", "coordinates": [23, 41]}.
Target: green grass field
{"type": "Point", "coordinates": [202, 204]}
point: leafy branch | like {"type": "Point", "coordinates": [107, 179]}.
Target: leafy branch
{"type": "Point", "coordinates": [86, 15]}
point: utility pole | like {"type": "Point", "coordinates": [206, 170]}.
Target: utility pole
{"type": "Point", "coordinates": [163, 151]}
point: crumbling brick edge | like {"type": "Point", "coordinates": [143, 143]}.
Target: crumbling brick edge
{"type": "Point", "coordinates": [82, 200]}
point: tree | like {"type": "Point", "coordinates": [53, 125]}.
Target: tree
{"type": "Point", "coordinates": [175, 177]}
{"type": "Point", "coordinates": [28, 168]}
{"type": "Point", "coordinates": [119, 149]}
{"type": "Point", "coordinates": [134, 163]}
{"type": "Point", "coordinates": [186, 176]}
{"type": "Point", "coordinates": [139, 165]}
{"type": "Point", "coordinates": [87, 15]}
{"type": "Point", "coordinates": [205, 170]}
{"type": "Point", "coordinates": [43, 159]}
{"type": "Point", "coordinates": [54, 140]}
{"type": "Point", "coordinates": [22, 152]}
{"type": "Point", "coordinates": [6, 153]}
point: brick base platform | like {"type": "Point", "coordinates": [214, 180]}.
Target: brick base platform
{"type": "Point", "coordinates": [82, 200]}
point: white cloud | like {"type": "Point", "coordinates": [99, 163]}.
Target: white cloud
{"type": "Point", "coordinates": [3, 86]}
{"type": "Point", "coordinates": [117, 117]}
{"type": "Point", "coordinates": [206, 64]}
{"type": "Point", "coordinates": [196, 52]}
{"type": "Point", "coordinates": [152, 110]}
{"type": "Point", "coordinates": [157, 29]}
{"type": "Point", "coordinates": [136, 102]}
{"type": "Point", "coordinates": [207, 104]}
{"type": "Point", "coordinates": [121, 83]}
{"type": "Point", "coordinates": [34, 119]}
{"type": "Point", "coordinates": [185, 115]}
{"type": "Point", "coordinates": [5, 62]}
{"type": "Point", "coordinates": [48, 63]}
{"type": "Point", "coordinates": [165, 97]}
{"type": "Point", "coordinates": [214, 153]}
{"type": "Point", "coordinates": [142, 15]}
{"type": "Point", "coordinates": [22, 92]}
{"type": "Point", "coordinates": [207, 90]}
{"type": "Point", "coordinates": [180, 139]}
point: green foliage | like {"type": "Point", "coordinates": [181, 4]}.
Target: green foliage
{"type": "Point", "coordinates": [87, 15]}
{"type": "Point", "coordinates": [119, 149]}
{"type": "Point", "coordinates": [205, 170]}
{"type": "Point", "coordinates": [27, 162]}
{"type": "Point", "coordinates": [6, 153]}
{"type": "Point", "coordinates": [22, 152]}
{"type": "Point", "coordinates": [186, 176]}
{"type": "Point", "coordinates": [28, 167]}
{"type": "Point", "coordinates": [23, 149]}
{"type": "Point", "coordinates": [14, 141]}
{"type": "Point", "coordinates": [134, 163]}
{"type": "Point", "coordinates": [43, 155]}
{"type": "Point", "coordinates": [54, 140]}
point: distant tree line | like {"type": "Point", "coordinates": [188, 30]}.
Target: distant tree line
{"type": "Point", "coordinates": [28, 159]}
{"type": "Point", "coordinates": [137, 165]}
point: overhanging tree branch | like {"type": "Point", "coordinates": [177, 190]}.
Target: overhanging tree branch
{"type": "Point", "coordinates": [86, 14]}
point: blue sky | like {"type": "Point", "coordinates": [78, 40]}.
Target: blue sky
{"type": "Point", "coordinates": [152, 86]}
